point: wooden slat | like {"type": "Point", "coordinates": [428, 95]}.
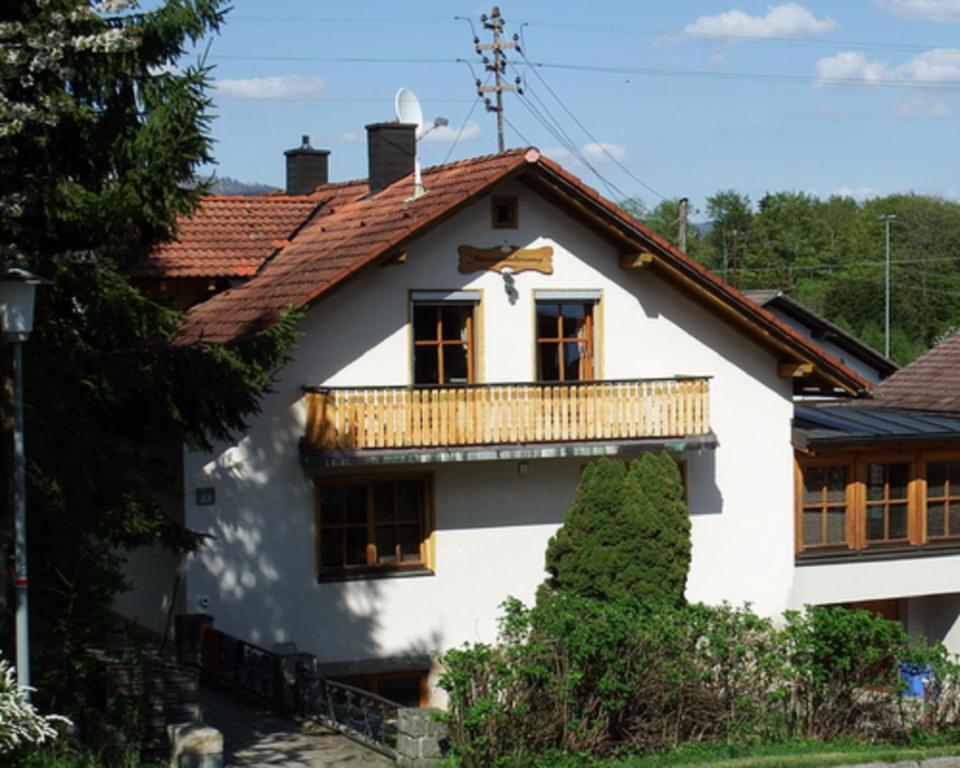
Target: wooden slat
{"type": "Point", "coordinates": [504, 413]}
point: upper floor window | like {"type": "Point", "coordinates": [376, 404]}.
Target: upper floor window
{"type": "Point", "coordinates": [504, 213]}
{"type": "Point", "coordinates": [943, 499]}
{"type": "Point", "coordinates": [887, 502]}
{"type": "Point", "coordinates": [443, 338]}
{"type": "Point", "coordinates": [824, 505]}
{"type": "Point", "coordinates": [565, 343]}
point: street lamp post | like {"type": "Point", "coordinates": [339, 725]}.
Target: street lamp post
{"type": "Point", "coordinates": [17, 289]}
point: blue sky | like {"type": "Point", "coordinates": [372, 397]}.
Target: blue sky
{"type": "Point", "coordinates": [859, 97]}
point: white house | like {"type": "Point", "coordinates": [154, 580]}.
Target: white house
{"type": "Point", "coordinates": [464, 352]}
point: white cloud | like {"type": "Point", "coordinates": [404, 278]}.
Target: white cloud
{"type": "Point", "coordinates": [857, 193]}
{"type": "Point", "coordinates": [447, 134]}
{"type": "Point", "coordinates": [922, 108]}
{"type": "Point", "coordinates": [275, 88]}
{"type": "Point", "coordinates": [947, 11]}
{"type": "Point", "coordinates": [934, 66]}
{"type": "Point", "coordinates": [784, 20]}
{"type": "Point", "coordinates": [716, 58]}
{"type": "Point", "coordinates": [351, 137]}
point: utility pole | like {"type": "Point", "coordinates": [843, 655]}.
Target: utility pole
{"type": "Point", "coordinates": [498, 67]}
{"type": "Point", "coordinates": [682, 234]}
{"type": "Point", "coordinates": [886, 218]}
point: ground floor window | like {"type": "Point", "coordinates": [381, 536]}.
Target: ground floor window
{"type": "Point", "coordinates": [370, 525]}
{"type": "Point", "coordinates": [407, 688]}
{"type": "Point", "coordinates": [862, 500]}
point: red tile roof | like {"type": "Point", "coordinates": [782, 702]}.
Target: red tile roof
{"type": "Point", "coordinates": [352, 230]}
{"type": "Point", "coordinates": [229, 236]}
{"type": "Point", "coordinates": [929, 383]}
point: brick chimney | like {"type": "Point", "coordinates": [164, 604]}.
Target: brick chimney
{"type": "Point", "coordinates": [391, 151]}
{"type": "Point", "coordinates": [307, 168]}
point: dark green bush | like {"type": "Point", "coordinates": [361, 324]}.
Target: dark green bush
{"type": "Point", "coordinates": [581, 676]}
{"type": "Point", "coordinates": [627, 535]}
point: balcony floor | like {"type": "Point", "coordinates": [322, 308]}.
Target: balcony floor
{"type": "Point", "coordinates": [587, 449]}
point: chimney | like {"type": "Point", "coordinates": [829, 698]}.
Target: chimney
{"type": "Point", "coordinates": [307, 168]}
{"type": "Point", "coordinates": [391, 152]}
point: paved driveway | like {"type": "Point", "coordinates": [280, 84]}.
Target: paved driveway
{"type": "Point", "coordinates": [257, 737]}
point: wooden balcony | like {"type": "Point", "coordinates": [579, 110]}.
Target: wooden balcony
{"type": "Point", "coordinates": [401, 418]}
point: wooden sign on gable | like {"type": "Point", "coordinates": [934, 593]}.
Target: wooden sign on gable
{"type": "Point", "coordinates": [497, 258]}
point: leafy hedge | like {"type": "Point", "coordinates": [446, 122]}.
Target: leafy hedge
{"type": "Point", "coordinates": [589, 677]}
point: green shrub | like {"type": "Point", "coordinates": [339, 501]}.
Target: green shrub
{"type": "Point", "coordinates": [627, 535]}
{"type": "Point", "coordinates": [597, 678]}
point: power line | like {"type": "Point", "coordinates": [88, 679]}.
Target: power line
{"type": "Point", "coordinates": [516, 130]}
{"type": "Point", "coordinates": [463, 125]}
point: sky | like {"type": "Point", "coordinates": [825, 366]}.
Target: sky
{"type": "Point", "coordinates": [641, 99]}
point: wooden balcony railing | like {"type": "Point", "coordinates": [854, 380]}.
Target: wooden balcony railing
{"type": "Point", "coordinates": [491, 414]}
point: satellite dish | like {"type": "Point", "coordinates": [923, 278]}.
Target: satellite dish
{"type": "Point", "coordinates": [408, 109]}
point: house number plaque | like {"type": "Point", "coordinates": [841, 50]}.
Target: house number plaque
{"type": "Point", "coordinates": [497, 258]}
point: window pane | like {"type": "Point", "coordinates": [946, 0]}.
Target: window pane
{"type": "Point", "coordinates": [898, 521]}
{"type": "Point", "coordinates": [384, 510]}
{"type": "Point", "coordinates": [812, 530]}
{"type": "Point", "coordinates": [426, 369]}
{"type": "Point", "coordinates": [875, 482]}
{"type": "Point", "coordinates": [549, 364]}
{"type": "Point", "coordinates": [899, 475]}
{"type": "Point", "coordinates": [935, 520]}
{"type": "Point", "coordinates": [574, 319]}
{"type": "Point", "coordinates": [875, 523]}
{"type": "Point", "coordinates": [356, 504]}
{"type": "Point", "coordinates": [813, 482]}
{"type": "Point", "coordinates": [455, 321]}
{"type": "Point", "coordinates": [409, 501]}
{"type": "Point", "coordinates": [547, 320]}
{"type": "Point", "coordinates": [356, 546]}
{"type": "Point", "coordinates": [953, 518]}
{"type": "Point", "coordinates": [331, 548]}
{"type": "Point", "coordinates": [424, 321]}
{"type": "Point", "coordinates": [331, 505]}
{"type": "Point", "coordinates": [953, 474]}
{"type": "Point", "coordinates": [836, 485]}
{"type": "Point", "coordinates": [836, 526]}
{"type": "Point", "coordinates": [386, 544]}
{"type": "Point", "coordinates": [573, 366]}
{"type": "Point", "coordinates": [936, 479]}
{"type": "Point", "coordinates": [455, 364]}
{"type": "Point", "coordinates": [409, 536]}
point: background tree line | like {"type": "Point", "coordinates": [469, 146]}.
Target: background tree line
{"type": "Point", "coordinates": [829, 254]}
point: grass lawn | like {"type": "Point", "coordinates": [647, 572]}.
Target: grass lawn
{"type": "Point", "coordinates": [790, 755]}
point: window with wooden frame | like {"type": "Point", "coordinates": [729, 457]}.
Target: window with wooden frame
{"type": "Point", "coordinates": [943, 498]}
{"type": "Point", "coordinates": [504, 212]}
{"type": "Point", "coordinates": [824, 505]}
{"type": "Point", "coordinates": [887, 503]}
{"type": "Point", "coordinates": [409, 688]}
{"type": "Point", "coordinates": [372, 525]}
{"type": "Point", "coordinates": [443, 342]}
{"type": "Point", "coordinates": [565, 343]}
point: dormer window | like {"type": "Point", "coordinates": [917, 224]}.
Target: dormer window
{"type": "Point", "coordinates": [504, 212]}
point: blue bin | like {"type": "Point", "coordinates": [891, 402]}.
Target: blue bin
{"type": "Point", "coordinates": [917, 678]}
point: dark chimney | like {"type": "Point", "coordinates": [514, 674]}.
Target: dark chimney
{"type": "Point", "coordinates": [391, 151]}
{"type": "Point", "coordinates": [307, 168]}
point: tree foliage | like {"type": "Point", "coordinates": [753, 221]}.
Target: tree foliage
{"type": "Point", "coordinates": [627, 534]}
{"type": "Point", "coordinates": [102, 130]}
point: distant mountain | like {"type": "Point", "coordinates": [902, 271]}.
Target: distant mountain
{"type": "Point", "coordinates": [225, 185]}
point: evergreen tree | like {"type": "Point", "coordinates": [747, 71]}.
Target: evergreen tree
{"type": "Point", "coordinates": [627, 534]}
{"type": "Point", "coordinates": [102, 129]}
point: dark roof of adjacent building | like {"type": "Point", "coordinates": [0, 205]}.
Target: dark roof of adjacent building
{"type": "Point", "coordinates": [832, 424]}
{"type": "Point", "coordinates": [348, 230]}
{"type": "Point", "coordinates": [821, 328]}
{"type": "Point", "coordinates": [929, 383]}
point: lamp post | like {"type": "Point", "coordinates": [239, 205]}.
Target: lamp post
{"type": "Point", "coordinates": [17, 289]}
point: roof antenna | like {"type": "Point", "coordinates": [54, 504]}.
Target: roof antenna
{"type": "Point", "coordinates": [408, 110]}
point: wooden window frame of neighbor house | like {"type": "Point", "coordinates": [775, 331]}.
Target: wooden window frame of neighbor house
{"type": "Point", "coordinates": [438, 342]}
{"type": "Point", "coordinates": [372, 567]}
{"type": "Point", "coordinates": [374, 683]}
{"type": "Point", "coordinates": [917, 501]}
{"type": "Point", "coordinates": [589, 339]}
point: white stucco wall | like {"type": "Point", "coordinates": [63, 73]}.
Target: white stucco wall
{"type": "Point", "coordinates": [256, 576]}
